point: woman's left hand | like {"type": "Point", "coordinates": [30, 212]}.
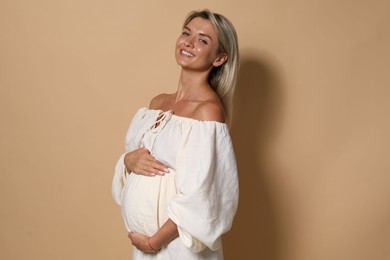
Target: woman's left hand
{"type": "Point", "coordinates": [140, 242]}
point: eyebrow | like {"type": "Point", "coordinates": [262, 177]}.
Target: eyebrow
{"type": "Point", "coordinates": [201, 34]}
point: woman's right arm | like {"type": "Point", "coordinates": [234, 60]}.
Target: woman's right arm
{"type": "Point", "coordinates": [141, 162]}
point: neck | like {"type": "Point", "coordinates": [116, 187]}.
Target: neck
{"type": "Point", "coordinates": [191, 84]}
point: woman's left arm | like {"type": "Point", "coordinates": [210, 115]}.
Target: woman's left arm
{"type": "Point", "coordinates": [153, 244]}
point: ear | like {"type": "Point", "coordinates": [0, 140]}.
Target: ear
{"type": "Point", "coordinates": [220, 60]}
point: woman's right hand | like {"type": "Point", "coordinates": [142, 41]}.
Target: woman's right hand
{"type": "Point", "coordinates": [141, 162]}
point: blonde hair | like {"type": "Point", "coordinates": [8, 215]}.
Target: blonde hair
{"type": "Point", "coordinates": [223, 78]}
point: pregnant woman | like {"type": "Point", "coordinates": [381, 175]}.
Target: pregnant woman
{"type": "Point", "coordinates": [177, 182]}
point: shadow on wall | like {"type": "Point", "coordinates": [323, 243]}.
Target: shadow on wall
{"type": "Point", "coordinates": [257, 106]}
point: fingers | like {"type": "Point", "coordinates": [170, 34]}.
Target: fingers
{"type": "Point", "coordinates": [151, 166]}
{"type": "Point", "coordinates": [158, 168]}
{"type": "Point", "coordinates": [151, 171]}
{"type": "Point", "coordinates": [148, 156]}
{"type": "Point", "coordinates": [155, 163]}
{"type": "Point", "coordinates": [141, 162]}
{"type": "Point", "coordinates": [140, 242]}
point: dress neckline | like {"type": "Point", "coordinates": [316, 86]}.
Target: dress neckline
{"type": "Point", "coordinates": [173, 115]}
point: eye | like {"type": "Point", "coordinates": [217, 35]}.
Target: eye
{"type": "Point", "coordinates": [203, 41]}
{"type": "Point", "coordinates": [185, 33]}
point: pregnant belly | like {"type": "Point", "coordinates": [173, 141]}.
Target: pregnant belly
{"type": "Point", "coordinates": [145, 200]}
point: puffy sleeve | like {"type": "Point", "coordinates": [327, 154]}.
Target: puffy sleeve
{"type": "Point", "coordinates": [207, 186]}
{"type": "Point", "coordinates": [119, 180]}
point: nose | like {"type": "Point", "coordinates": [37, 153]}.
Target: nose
{"type": "Point", "coordinates": [189, 42]}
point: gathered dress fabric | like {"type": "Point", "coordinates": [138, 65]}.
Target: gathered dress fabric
{"type": "Point", "coordinates": [199, 194]}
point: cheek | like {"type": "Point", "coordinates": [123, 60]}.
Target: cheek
{"type": "Point", "coordinates": [209, 54]}
{"type": "Point", "coordinates": [179, 41]}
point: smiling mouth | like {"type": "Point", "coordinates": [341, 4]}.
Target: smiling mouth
{"type": "Point", "coordinates": [186, 53]}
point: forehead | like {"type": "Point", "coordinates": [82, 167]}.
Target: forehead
{"type": "Point", "coordinates": [202, 25]}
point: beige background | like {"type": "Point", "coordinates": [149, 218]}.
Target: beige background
{"type": "Point", "coordinates": [310, 128]}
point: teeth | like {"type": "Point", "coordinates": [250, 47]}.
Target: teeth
{"type": "Point", "coordinates": [187, 54]}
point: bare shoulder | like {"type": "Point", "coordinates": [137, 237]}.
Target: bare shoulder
{"type": "Point", "coordinates": [158, 101]}
{"type": "Point", "coordinates": [210, 111]}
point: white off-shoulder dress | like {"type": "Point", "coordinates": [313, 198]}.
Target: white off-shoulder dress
{"type": "Point", "coordinates": [200, 194]}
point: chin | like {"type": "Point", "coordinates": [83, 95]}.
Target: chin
{"type": "Point", "coordinates": [182, 63]}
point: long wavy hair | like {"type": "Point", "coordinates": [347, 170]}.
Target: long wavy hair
{"type": "Point", "coordinates": [223, 78]}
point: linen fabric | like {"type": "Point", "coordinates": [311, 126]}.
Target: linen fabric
{"type": "Point", "coordinates": [200, 194]}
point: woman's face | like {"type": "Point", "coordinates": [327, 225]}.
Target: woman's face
{"type": "Point", "coordinates": [197, 46]}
